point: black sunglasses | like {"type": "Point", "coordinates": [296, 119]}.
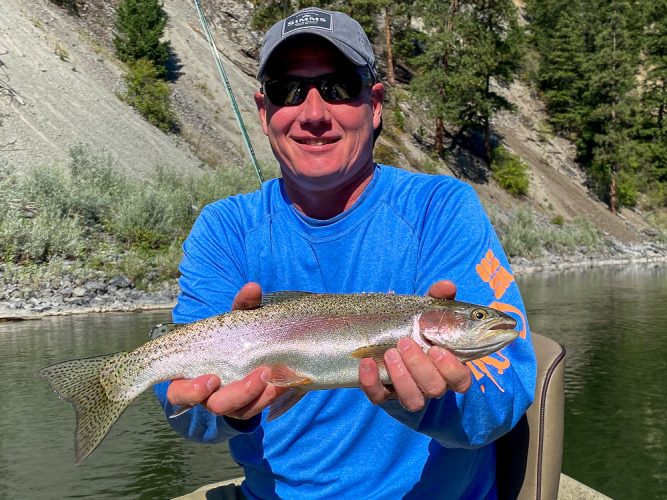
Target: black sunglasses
{"type": "Point", "coordinates": [333, 87]}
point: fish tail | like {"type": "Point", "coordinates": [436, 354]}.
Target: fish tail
{"type": "Point", "coordinates": [78, 381]}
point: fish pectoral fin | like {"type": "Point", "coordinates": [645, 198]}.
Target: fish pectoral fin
{"type": "Point", "coordinates": [283, 403]}
{"type": "Point", "coordinates": [375, 352]}
{"type": "Point", "coordinates": [161, 329]}
{"type": "Point", "coordinates": [284, 376]}
{"type": "Point", "coordinates": [181, 410]}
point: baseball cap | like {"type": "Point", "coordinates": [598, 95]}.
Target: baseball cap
{"type": "Point", "coordinates": [341, 30]}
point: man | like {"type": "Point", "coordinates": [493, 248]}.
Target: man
{"type": "Point", "coordinates": [337, 222]}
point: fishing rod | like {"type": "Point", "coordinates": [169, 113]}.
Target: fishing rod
{"type": "Point", "coordinates": [228, 89]}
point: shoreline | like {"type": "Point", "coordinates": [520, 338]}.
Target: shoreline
{"type": "Point", "coordinates": [97, 296]}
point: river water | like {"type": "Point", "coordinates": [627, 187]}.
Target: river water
{"type": "Point", "coordinates": [612, 321]}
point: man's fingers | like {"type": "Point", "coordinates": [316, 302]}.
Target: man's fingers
{"type": "Point", "coordinates": [409, 394]}
{"type": "Point", "coordinates": [369, 380]}
{"type": "Point", "coordinates": [191, 392]}
{"type": "Point", "coordinates": [443, 289]}
{"type": "Point", "coordinates": [456, 374]}
{"type": "Point", "coordinates": [268, 396]}
{"type": "Point", "coordinates": [239, 394]}
{"type": "Point", "coordinates": [422, 370]}
{"type": "Point", "coordinates": [248, 297]}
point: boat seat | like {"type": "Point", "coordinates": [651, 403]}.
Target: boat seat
{"type": "Point", "coordinates": [529, 457]}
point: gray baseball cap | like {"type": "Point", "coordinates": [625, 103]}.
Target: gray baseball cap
{"type": "Point", "coordinates": [341, 30]}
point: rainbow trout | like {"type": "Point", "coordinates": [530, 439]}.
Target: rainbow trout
{"type": "Point", "coordinates": [310, 342]}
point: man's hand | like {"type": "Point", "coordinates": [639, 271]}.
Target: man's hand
{"type": "Point", "coordinates": [242, 399]}
{"type": "Point", "coordinates": [416, 376]}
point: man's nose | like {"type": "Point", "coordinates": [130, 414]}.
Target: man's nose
{"type": "Point", "coordinates": [315, 109]}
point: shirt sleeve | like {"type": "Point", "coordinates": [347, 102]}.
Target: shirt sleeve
{"type": "Point", "coordinates": [212, 272]}
{"type": "Point", "coordinates": [458, 243]}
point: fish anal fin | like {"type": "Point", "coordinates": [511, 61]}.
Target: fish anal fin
{"type": "Point", "coordinates": [375, 352]}
{"type": "Point", "coordinates": [283, 376]}
{"type": "Point", "coordinates": [284, 403]}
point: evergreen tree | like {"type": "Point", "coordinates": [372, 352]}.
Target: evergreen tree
{"type": "Point", "coordinates": [612, 70]}
{"type": "Point", "coordinates": [139, 28]}
{"type": "Point", "coordinates": [437, 63]}
{"type": "Point", "coordinates": [653, 133]}
{"type": "Point", "coordinates": [562, 74]}
{"type": "Point", "coordinates": [468, 43]}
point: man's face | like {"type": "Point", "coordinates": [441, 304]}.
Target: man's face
{"type": "Point", "coordinates": [320, 145]}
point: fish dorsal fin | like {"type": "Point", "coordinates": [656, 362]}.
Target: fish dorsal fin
{"type": "Point", "coordinates": [160, 330]}
{"type": "Point", "coordinates": [280, 297]}
{"type": "Point", "coordinates": [372, 351]}
{"type": "Point", "coordinates": [283, 376]}
{"type": "Point", "coordinates": [284, 403]}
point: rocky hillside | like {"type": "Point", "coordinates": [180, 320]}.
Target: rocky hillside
{"type": "Point", "coordinates": [59, 80]}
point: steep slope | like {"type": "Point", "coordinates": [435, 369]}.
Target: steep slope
{"type": "Point", "coordinates": [557, 185]}
{"type": "Point", "coordinates": [60, 79]}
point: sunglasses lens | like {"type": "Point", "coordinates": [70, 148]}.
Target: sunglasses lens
{"type": "Point", "coordinates": [285, 92]}
{"type": "Point", "coordinates": [340, 88]}
{"type": "Point", "coordinates": [333, 88]}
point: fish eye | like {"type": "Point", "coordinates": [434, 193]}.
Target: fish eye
{"type": "Point", "coordinates": [479, 314]}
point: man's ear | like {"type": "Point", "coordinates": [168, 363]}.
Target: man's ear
{"type": "Point", "coordinates": [377, 98]}
{"type": "Point", "coordinates": [260, 102]}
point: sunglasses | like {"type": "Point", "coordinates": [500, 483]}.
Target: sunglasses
{"type": "Point", "coordinates": [334, 88]}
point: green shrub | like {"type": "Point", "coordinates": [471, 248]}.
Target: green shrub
{"type": "Point", "coordinates": [522, 236]}
{"type": "Point", "coordinates": [627, 189]}
{"type": "Point", "coordinates": [385, 154]}
{"type": "Point", "coordinates": [510, 172]}
{"type": "Point", "coordinates": [88, 211]}
{"type": "Point", "coordinates": [399, 119]}
{"type": "Point", "coordinates": [39, 238]}
{"type": "Point", "coordinates": [149, 94]}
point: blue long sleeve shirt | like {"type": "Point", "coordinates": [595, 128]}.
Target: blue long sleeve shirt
{"type": "Point", "coordinates": [404, 233]}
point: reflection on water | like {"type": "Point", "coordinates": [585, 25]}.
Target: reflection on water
{"type": "Point", "coordinates": [614, 325]}
{"type": "Point", "coordinates": [141, 458]}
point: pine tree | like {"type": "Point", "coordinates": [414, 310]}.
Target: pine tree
{"type": "Point", "coordinates": [139, 28]}
{"type": "Point", "coordinates": [561, 74]}
{"type": "Point", "coordinates": [654, 99]}
{"type": "Point", "coordinates": [606, 137]}
{"type": "Point", "coordinates": [468, 43]}
{"type": "Point", "coordinates": [436, 64]}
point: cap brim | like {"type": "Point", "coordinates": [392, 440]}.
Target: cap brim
{"type": "Point", "coordinates": [349, 53]}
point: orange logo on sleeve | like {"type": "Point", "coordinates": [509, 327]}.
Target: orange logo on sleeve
{"type": "Point", "coordinates": [499, 279]}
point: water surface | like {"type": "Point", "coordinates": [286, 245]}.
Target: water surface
{"type": "Point", "coordinates": [613, 323]}
{"type": "Point", "coordinates": [141, 458]}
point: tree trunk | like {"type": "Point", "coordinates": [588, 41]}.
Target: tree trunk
{"type": "Point", "coordinates": [439, 136]}
{"type": "Point", "coordinates": [487, 128]}
{"type": "Point", "coordinates": [613, 203]}
{"type": "Point", "coordinates": [391, 78]}
{"type": "Point", "coordinates": [487, 141]}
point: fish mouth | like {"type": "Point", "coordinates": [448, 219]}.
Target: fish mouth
{"type": "Point", "coordinates": [507, 323]}
{"type": "Point", "coordinates": [499, 334]}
